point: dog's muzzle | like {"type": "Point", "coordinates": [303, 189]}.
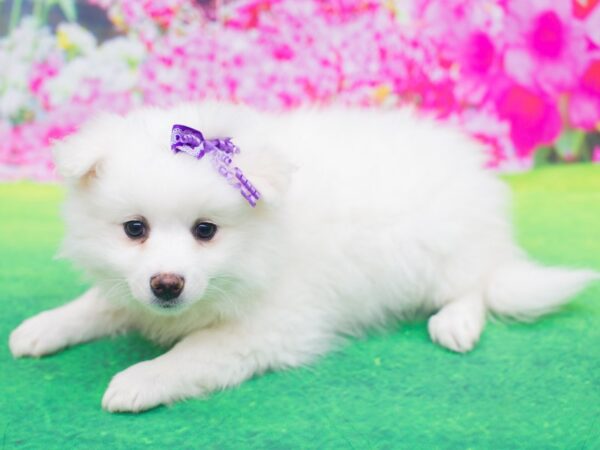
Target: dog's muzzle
{"type": "Point", "coordinates": [167, 287]}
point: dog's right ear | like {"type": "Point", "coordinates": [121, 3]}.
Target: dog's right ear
{"type": "Point", "coordinates": [79, 156]}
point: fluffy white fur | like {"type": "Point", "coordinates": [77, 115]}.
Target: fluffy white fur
{"type": "Point", "coordinates": [366, 216]}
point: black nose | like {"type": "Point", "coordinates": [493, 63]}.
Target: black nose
{"type": "Point", "coordinates": [167, 286]}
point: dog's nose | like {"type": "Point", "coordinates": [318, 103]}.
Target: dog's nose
{"type": "Point", "coordinates": [167, 286]}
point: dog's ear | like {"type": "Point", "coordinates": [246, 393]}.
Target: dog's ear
{"type": "Point", "coordinates": [79, 156]}
{"type": "Point", "coordinates": [269, 171]}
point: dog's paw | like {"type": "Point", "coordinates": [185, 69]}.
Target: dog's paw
{"type": "Point", "coordinates": [140, 387]}
{"type": "Point", "coordinates": [38, 336]}
{"type": "Point", "coordinates": [456, 327]}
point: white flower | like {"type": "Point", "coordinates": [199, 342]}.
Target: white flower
{"type": "Point", "coordinates": [112, 66]}
{"type": "Point", "coordinates": [74, 38]}
{"type": "Point", "coordinates": [12, 102]}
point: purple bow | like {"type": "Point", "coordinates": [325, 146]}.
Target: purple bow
{"type": "Point", "coordinates": [188, 140]}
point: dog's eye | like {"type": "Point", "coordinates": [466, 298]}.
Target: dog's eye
{"type": "Point", "coordinates": [204, 231]}
{"type": "Point", "coordinates": [135, 229]}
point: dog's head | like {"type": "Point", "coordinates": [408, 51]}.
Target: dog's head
{"type": "Point", "coordinates": [165, 229]}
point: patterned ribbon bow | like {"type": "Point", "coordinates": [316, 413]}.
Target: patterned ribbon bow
{"type": "Point", "coordinates": [188, 140]}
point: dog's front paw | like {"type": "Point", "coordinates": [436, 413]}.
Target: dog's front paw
{"type": "Point", "coordinates": [456, 327]}
{"type": "Point", "coordinates": [38, 336]}
{"type": "Point", "coordinates": [142, 386]}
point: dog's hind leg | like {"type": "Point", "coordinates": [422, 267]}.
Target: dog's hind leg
{"type": "Point", "coordinates": [458, 325]}
{"type": "Point", "coordinates": [88, 317]}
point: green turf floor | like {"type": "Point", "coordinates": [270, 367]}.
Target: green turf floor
{"type": "Point", "coordinates": [525, 386]}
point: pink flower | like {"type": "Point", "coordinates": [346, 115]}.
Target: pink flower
{"type": "Point", "coordinates": [479, 61]}
{"type": "Point", "coordinates": [592, 27]}
{"type": "Point", "coordinates": [584, 111]}
{"type": "Point", "coordinates": [584, 104]}
{"type": "Point", "coordinates": [534, 119]}
{"type": "Point", "coordinates": [248, 16]}
{"type": "Point", "coordinates": [582, 8]}
{"type": "Point", "coordinates": [40, 73]}
{"type": "Point", "coordinates": [546, 48]}
{"type": "Point", "coordinates": [479, 53]}
{"type": "Point", "coordinates": [596, 154]}
{"type": "Point", "coordinates": [468, 43]}
{"type": "Point", "coordinates": [492, 131]}
{"type": "Point", "coordinates": [336, 11]}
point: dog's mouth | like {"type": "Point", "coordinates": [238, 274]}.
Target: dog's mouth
{"type": "Point", "coordinates": [167, 305]}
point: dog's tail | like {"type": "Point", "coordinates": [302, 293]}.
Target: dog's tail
{"type": "Point", "coordinates": [524, 290]}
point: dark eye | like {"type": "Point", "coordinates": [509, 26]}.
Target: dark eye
{"type": "Point", "coordinates": [135, 229]}
{"type": "Point", "coordinates": [204, 231]}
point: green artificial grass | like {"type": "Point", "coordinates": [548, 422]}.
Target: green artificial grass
{"type": "Point", "coordinates": [533, 386]}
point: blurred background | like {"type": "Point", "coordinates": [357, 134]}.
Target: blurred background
{"type": "Point", "coordinates": [523, 77]}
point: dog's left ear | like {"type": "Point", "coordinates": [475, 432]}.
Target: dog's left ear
{"type": "Point", "coordinates": [78, 157]}
{"type": "Point", "coordinates": [269, 171]}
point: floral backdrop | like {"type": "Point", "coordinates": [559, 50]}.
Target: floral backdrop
{"type": "Point", "coordinates": [521, 76]}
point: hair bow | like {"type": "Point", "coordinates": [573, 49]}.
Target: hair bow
{"type": "Point", "coordinates": [188, 140]}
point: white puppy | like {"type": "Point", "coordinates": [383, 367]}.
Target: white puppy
{"type": "Point", "coordinates": [363, 217]}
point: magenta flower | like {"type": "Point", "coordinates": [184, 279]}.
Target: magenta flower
{"type": "Point", "coordinates": [468, 42]}
{"type": "Point", "coordinates": [40, 73]}
{"type": "Point", "coordinates": [596, 154]}
{"type": "Point", "coordinates": [546, 47]}
{"type": "Point", "coordinates": [592, 26]}
{"type": "Point", "coordinates": [534, 119]}
{"type": "Point", "coordinates": [480, 68]}
{"type": "Point", "coordinates": [485, 125]}
{"type": "Point", "coordinates": [480, 53]}
{"type": "Point", "coordinates": [584, 104]}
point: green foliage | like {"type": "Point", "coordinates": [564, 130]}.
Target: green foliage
{"type": "Point", "coordinates": [571, 146]}
{"type": "Point", "coordinates": [41, 10]}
